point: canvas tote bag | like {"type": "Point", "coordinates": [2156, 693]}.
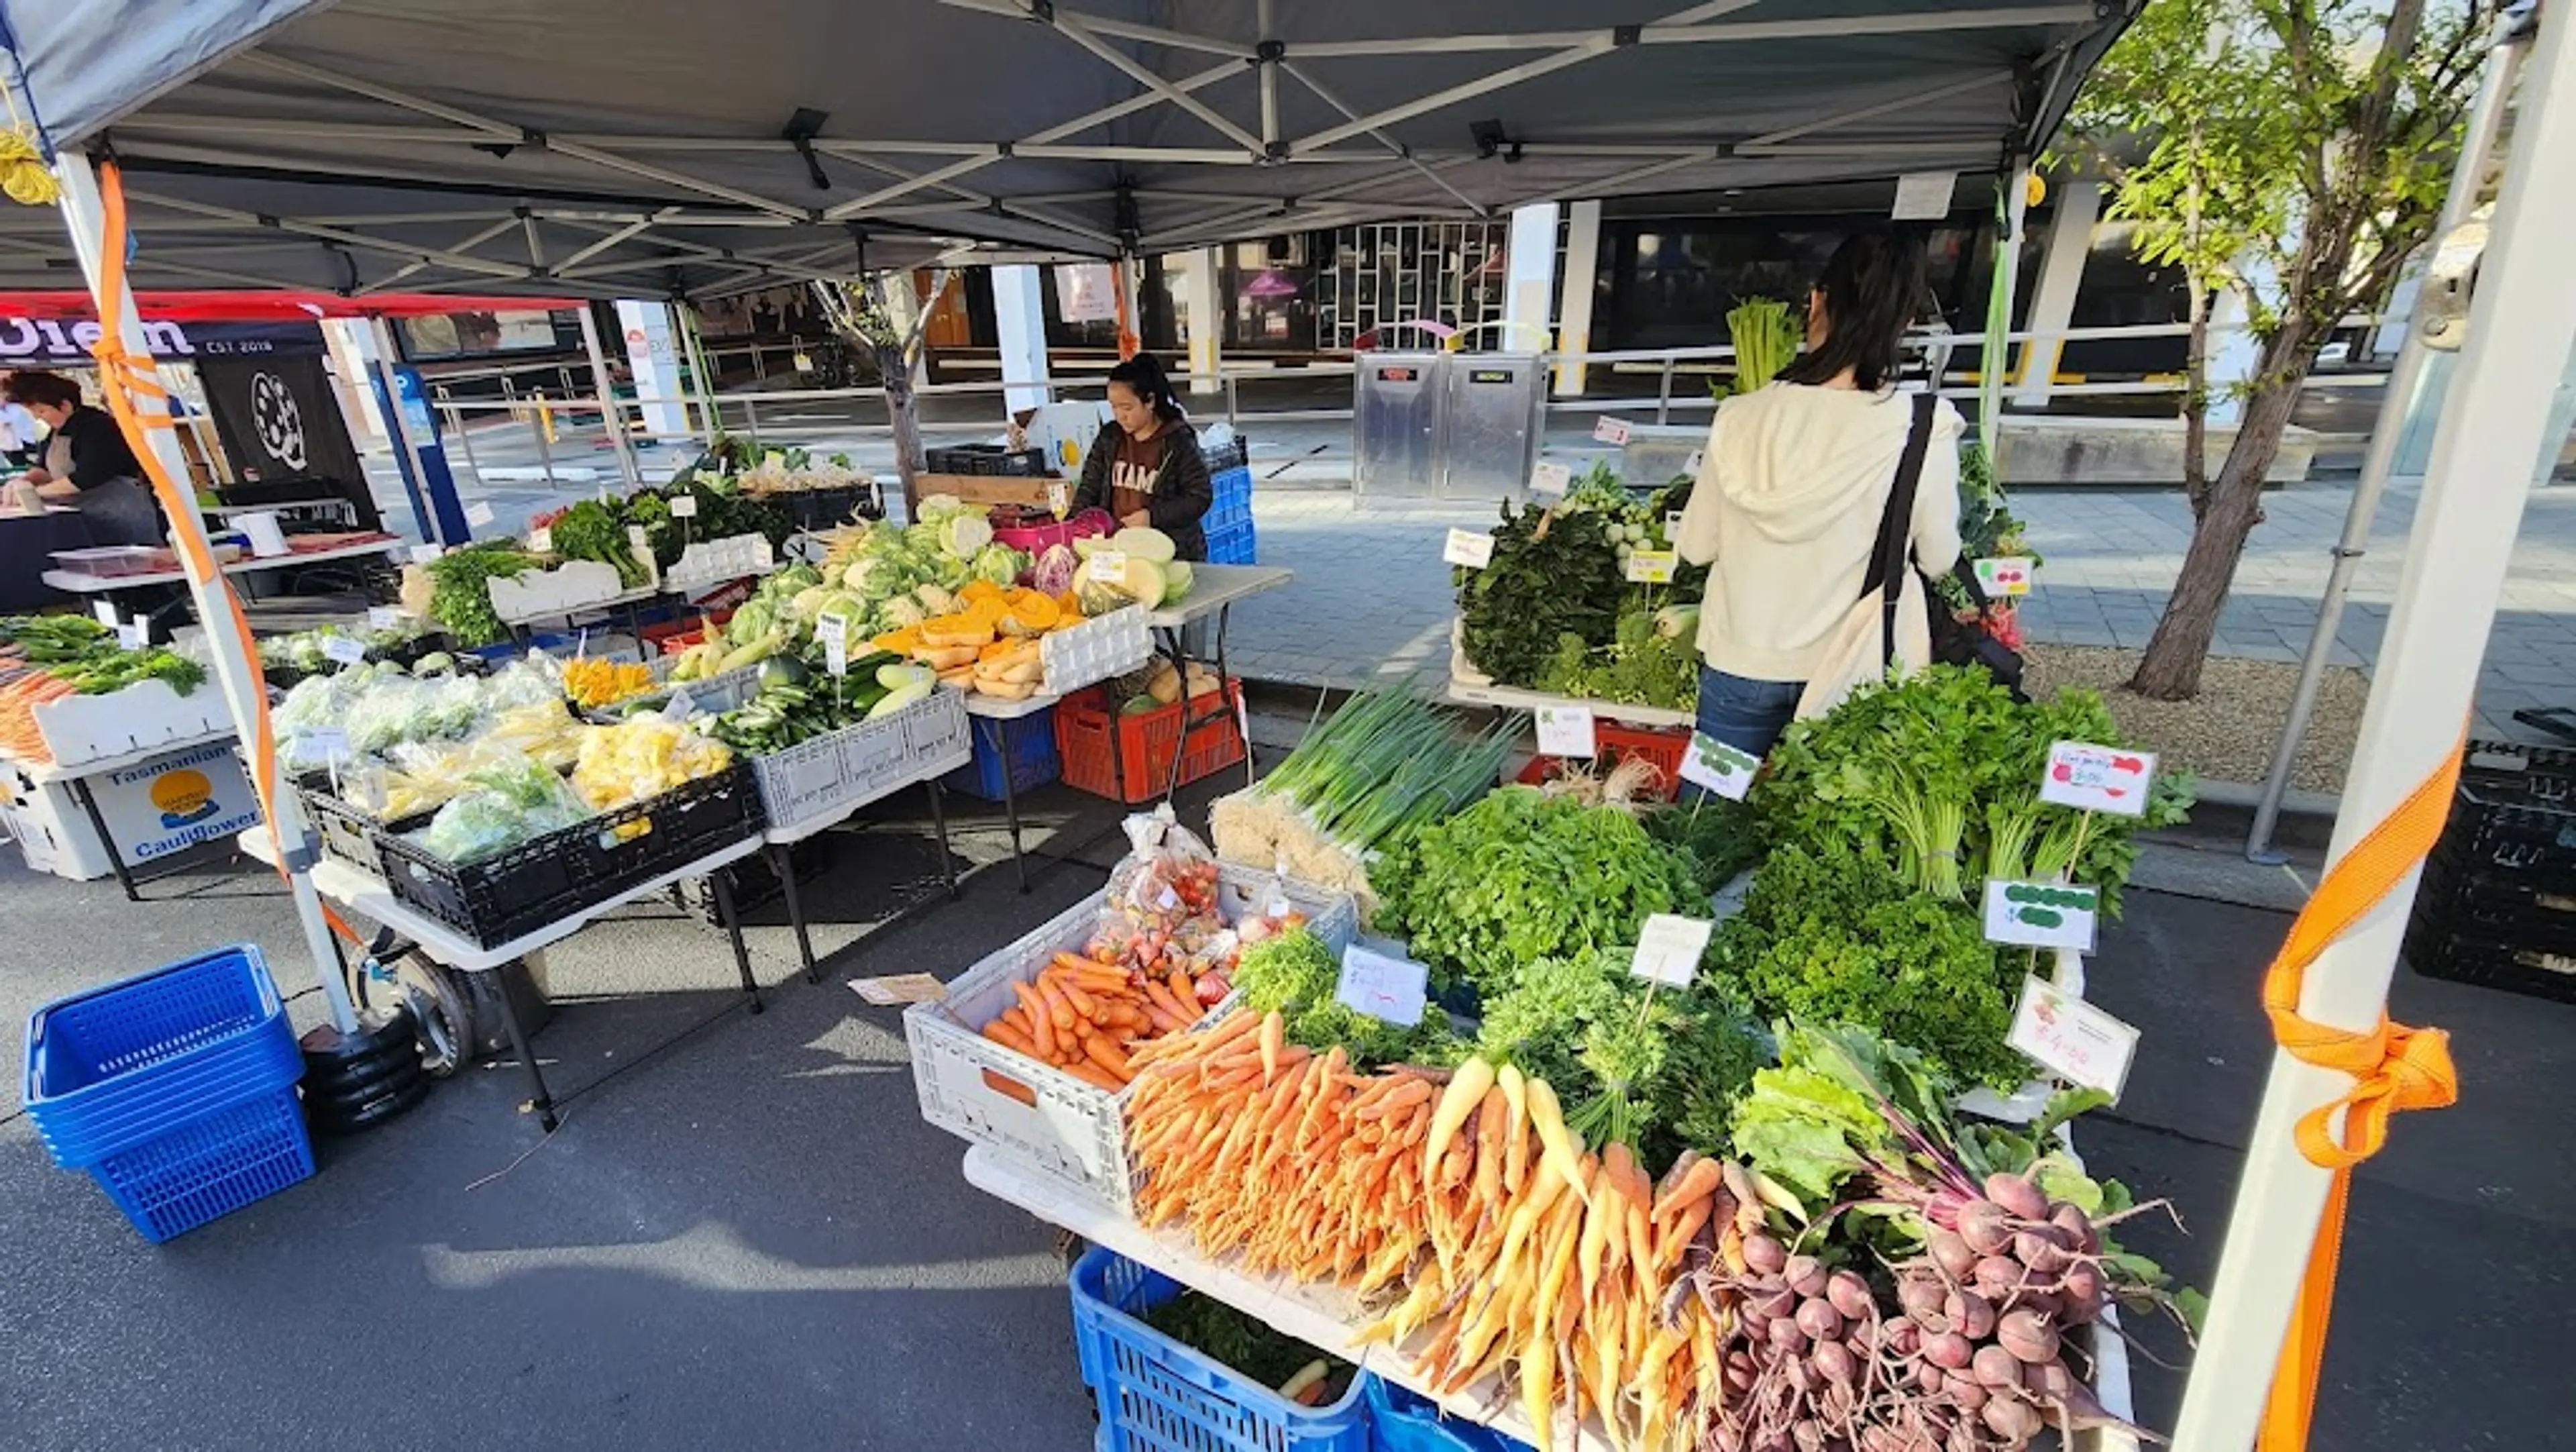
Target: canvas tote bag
{"type": "Point", "coordinates": [1888, 630]}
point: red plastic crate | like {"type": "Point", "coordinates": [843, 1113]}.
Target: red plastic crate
{"type": "Point", "coordinates": [1612, 743]}
{"type": "Point", "coordinates": [1139, 765]}
{"type": "Point", "coordinates": [673, 636]}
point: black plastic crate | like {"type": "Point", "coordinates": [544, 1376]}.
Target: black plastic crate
{"type": "Point", "coordinates": [819, 509]}
{"type": "Point", "coordinates": [650, 837]}
{"type": "Point", "coordinates": [2463, 957]}
{"type": "Point", "coordinates": [754, 879]}
{"type": "Point", "coordinates": [345, 831]}
{"type": "Point", "coordinates": [2487, 834]}
{"type": "Point", "coordinates": [986, 459]}
{"type": "Point", "coordinates": [2507, 773]}
{"type": "Point", "coordinates": [2511, 908]}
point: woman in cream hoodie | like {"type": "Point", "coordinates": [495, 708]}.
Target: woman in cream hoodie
{"type": "Point", "coordinates": [1793, 483]}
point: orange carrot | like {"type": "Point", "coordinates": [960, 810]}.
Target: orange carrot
{"type": "Point", "coordinates": [1106, 1055]}
{"type": "Point", "coordinates": [1041, 1025]}
{"type": "Point", "coordinates": [1091, 1073]}
{"type": "Point", "coordinates": [1057, 1008]}
{"type": "Point", "coordinates": [1001, 1032]}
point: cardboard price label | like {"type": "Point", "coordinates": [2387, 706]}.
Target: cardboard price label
{"type": "Point", "coordinates": [1548, 478]}
{"type": "Point", "coordinates": [1610, 430]}
{"type": "Point", "coordinates": [1470, 548]}
{"type": "Point", "coordinates": [541, 541]}
{"type": "Point", "coordinates": [1566, 731]}
{"type": "Point", "coordinates": [1652, 567]}
{"type": "Point", "coordinates": [2005, 575]}
{"type": "Point", "coordinates": [1059, 497]}
{"type": "Point", "coordinates": [1108, 564]}
{"type": "Point", "coordinates": [479, 514]}
{"type": "Point", "coordinates": [681, 706]}
{"type": "Point", "coordinates": [834, 632]}
{"type": "Point", "coordinates": [384, 617]}
{"type": "Point", "coordinates": [1390, 989]}
{"type": "Point", "coordinates": [105, 610]}
{"type": "Point", "coordinates": [345, 649]}
{"type": "Point", "coordinates": [684, 506]}
{"type": "Point", "coordinates": [267, 537]}
{"type": "Point", "coordinates": [899, 988]}
{"type": "Point", "coordinates": [2071, 1038]}
{"type": "Point", "coordinates": [423, 554]}
{"type": "Point", "coordinates": [1715, 766]}
{"type": "Point", "coordinates": [1669, 948]}
{"type": "Point", "coordinates": [331, 743]}
{"type": "Point", "coordinates": [2042, 914]}
{"type": "Point", "coordinates": [2098, 778]}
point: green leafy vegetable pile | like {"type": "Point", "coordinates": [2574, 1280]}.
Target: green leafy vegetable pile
{"type": "Point", "coordinates": [1294, 975]}
{"type": "Point", "coordinates": [591, 530]}
{"type": "Point", "coordinates": [1552, 575]}
{"type": "Point", "coordinates": [459, 598]}
{"type": "Point", "coordinates": [1519, 877]}
{"type": "Point", "coordinates": [84, 654]}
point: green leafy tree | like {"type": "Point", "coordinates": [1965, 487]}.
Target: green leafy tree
{"type": "Point", "coordinates": [2295, 151]}
{"type": "Point", "coordinates": [885, 319]}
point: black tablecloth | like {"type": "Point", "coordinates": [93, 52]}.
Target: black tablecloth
{"type": "Point", "coordinates": [27, 543]}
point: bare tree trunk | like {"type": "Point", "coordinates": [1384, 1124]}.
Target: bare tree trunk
{"type": "Point", "coordinates": [903, 411]}
{"type": "Point", "coordinates": [2171, 668]}
{"type": "Point", "coordinates": [2195, 404]}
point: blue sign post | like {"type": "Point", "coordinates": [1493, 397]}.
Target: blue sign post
{"type": "Point", "coordinates": [412, 416]}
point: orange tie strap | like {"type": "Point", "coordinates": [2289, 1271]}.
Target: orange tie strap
{"type": "Point", "coordinates": [2393, 1068]}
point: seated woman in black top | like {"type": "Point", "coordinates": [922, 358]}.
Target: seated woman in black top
{"type": "Point", "coordinates": [86, 462]}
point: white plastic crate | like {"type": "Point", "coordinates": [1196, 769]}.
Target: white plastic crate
{"type": "Point", "coordinates": [841, 772]}
{"type": "Point", "coordinates": [1092, 652]}
{"type": "Point", "coordinates": [134, 718]}
{"type": "Point", "coordinates": [541, 594]}
{"type": "Point", "coordinates": [716, 561]}
{"type": "Point", "coordinates": [1036, 1113]}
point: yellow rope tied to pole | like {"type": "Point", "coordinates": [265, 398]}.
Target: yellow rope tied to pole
{"type": "Point", "coordinates": [24, 176]}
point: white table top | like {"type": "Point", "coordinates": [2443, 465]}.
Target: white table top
{"type": "Point", "coordinates": [57, 771]}
{"type": "Point", "coordinates": [994, 708]}
{"type": "Point", "coordinates": [366, 893]}
{"type": "Point", "coordinates": [1511, 699]}
{"type": "Point", "coordinates": [1213, 587]}
{"type": "Point", "coordinates": [586, 607]}
{"type": "Point", "coordinates": [80, 584]}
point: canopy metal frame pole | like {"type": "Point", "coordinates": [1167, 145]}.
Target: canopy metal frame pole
{"type": "Point", "coordinates": [236, 674]}
{"type": "Point", "coordinates": [2505, 50]}
{"type": "Point", "coordinates": [2522, 319]}
{"type": "Point", "coordinates": [610, 416]}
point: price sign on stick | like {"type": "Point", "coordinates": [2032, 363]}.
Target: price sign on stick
{"type": "Point", "coordinates": [834, 632]}
{"type": "Point", "coordinates": [2041, 914]}
{"type": "Point", "coordinates": [345, 650]}
{"type": "Point", "coordinates": [1393, 990]}
{"type": "Point", "coordinates": [1109, 565]}
{"type": "Point", "coordinates": [1669, 948]}
{"type": "Point", "coordinates": [2005, 575]}
{"type": "Point", "coordinates": [2098, 778]}
{"type": "Point", "coordinates": [1718, 767]}
{"type": "Point", "coordinates": [1059, 497]}
{"type": "Point", "coordinates": [1550, 479]}
{"type": "Point", "coordinates": [2071, 1038]}
{"type": "Point", "coordinates": [135, 634]}
{"type": "Point", "coordinates": [541, 540]}
{"type": "Point", "coordinates": [479, 514]}
{"type": "Point", "coordinates": [105, 610]}
{"type": "Point", "coordinates": [423, 554]}
{"type": "Point", "coordinates": [681, 706]}
{"type": "Point", "coordinates": [1565, 731]}
{"type": "Point", "coordinates": [384, 617]}
{"type": "Point", "coordinates": [1471, 548]}
{"type": "Point", "coordinates": [1652, 567]}
{"type": "Point", "coordinates": [684, 506]}
{"type": "Point", "coordinates": [1610, 430]}
{"type": "Point", "coordinates": [267, 538]}
{"type": "Point", "coordinates": [331, 743]}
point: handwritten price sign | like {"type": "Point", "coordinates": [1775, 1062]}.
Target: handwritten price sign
{"type": "Point", "coordinates": [1390, 989]}
{"type": "Point", "coordinates": [1610, 430]}
{"type": "Point", "coordinates": [2098, 778]}
{"type": "Point", "coordinates": [2005, 575]}
{"type": "Point", "coordinates": [2041, 914]}
{"type": "Point", "coordinates": [1720, 768]}
{"type": "Point", "coordinates": [2072, 1039]}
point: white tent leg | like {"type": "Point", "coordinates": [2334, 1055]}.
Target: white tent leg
{"type": "Point", "coordinates": [245, 693]}
{"type": "Point", "coordinates": [610, 416]}
{"type": "Point", "coordinates": [2521, 323]}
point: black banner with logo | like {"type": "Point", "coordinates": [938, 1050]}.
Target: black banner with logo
{"type": "Point", "coordinates": [65, 343]}
{"type": "Point", "coordinates": [279, 420]}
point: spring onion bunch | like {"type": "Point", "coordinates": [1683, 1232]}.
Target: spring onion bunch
{"type": "Point", "coordinates": [1386, 764]}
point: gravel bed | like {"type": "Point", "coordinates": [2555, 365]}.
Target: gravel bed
{"type": "Point", "coordinates": [2227, 732]}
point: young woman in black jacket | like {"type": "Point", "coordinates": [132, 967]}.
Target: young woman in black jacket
{"type": "Point", "coordinates": [1146, 467]}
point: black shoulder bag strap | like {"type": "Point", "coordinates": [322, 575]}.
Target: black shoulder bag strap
{"type": "Point", "coordinates": [1897, 523]}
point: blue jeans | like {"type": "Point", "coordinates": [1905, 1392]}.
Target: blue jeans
{"type": "Point", "coordinates": [1746, 714]}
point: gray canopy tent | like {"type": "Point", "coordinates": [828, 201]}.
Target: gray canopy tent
{"type": "Point", "coordinates": [666, 147]}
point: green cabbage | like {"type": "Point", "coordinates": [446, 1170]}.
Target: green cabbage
{"type": "Point", "coordinates": [998, 563]}
{"type": "Point", "coordinates": [963, 535]}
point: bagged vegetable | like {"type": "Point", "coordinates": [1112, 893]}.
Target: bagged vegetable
{"type": "Point", "coordinates": [509, 804]}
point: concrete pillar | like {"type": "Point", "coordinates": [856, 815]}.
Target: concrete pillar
{"type": "Point", "coordinates": [1574, 292]}
{"type": "Point", "coordinates": [2052, 303]}
{"type": "Point", "coordinates": [1206, 322]}
{"type": "Point", "coordinates": [1529, 283]}
{"type": "Point", "coordinates": [653, 355]}
{"type": "Point", "coordinates": [1019, 317]}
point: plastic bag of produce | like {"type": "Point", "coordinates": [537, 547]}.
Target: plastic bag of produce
{"type": "Point", "coordinates": [508, 805]}
{"type": "Point", "coordinates": [1162, 906]}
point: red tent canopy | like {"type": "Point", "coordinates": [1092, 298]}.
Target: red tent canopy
{"type": "Point", "coordinates": [259, 307]}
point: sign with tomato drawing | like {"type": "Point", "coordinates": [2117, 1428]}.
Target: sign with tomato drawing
{"type": "Point", "coordinates": [2098, 778]}
{"type": "Point", "coordinates": [2071, 1038]}
{"type": "Point", "coordinates": [2005, 575]}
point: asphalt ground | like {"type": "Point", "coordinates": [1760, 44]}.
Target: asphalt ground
{"type": "Point", "coordinates": [745, 1236]}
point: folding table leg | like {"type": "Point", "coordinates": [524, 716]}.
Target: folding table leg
{"type": "Point", "coordinates": [539, 1099]}
{"type": "Point", "coordinates": [939, 822]}
{"type": "Point", "coordinates": [782, 861]}
{"type": "Point", "coordinates": [733, 930]}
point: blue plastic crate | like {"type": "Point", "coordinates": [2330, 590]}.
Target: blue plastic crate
{"type": "Point", "coordinates": [1400, 1421]}
{"type": "Point", "coordinates": [1235, 546]}
{"type": "Point", "coordinates": [1157, 1395]}
{"type": "Point", "coordinates": [97, 1043]}
{"type": "Point", "coordinates": [266, 1062]}
{"type": "Point", "coordinates": [223, 1160]}
{"type": "Point", "coordinates": [1026, 744]}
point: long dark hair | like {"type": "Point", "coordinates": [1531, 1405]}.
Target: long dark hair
{"type": "Point", "coordinates": [1871, 287]}
{"type": "Point", "coordinates": [1144, 378]}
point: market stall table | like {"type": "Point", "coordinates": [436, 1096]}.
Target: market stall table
{"type": "Point", "coordinates": [1004, 715]}
{"type": "Point", "coordinates": [1213, 591]}
{"type": "Point", "coordinates": [109, 585]}
{"type": "Point", "coordinates": [367, 894]}
{"type": "Point", "coordinates": [779, 842]}
{"type": "Point", "coordinates": [27, 546]}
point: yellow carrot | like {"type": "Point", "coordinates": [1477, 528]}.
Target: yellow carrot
{"type": "Point", "coordinates": [1466, 1090]}
{"type": "Point", "coordinates": [1556, 1142]}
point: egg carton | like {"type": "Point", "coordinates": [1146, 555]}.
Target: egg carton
{"type": "Point", "coordinates": [1097, 649]}
{"type": "Point", "coordinates": [544, 594]}
{"type": "Point", "coordinates": [716, 561]}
